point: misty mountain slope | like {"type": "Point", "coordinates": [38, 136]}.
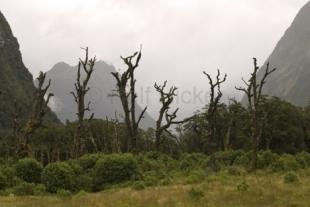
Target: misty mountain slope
{"type": "Point", "coordinates": [102, 85]}
{"type": "Point", "coordinates": [291, 57]}
{"type": "Point", "coordinates": [16, 83]}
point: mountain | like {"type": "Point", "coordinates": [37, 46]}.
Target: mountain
{"type": "Point", "coordinates": [16, 82]}
{"type": "Point", "coordinates": [291, 57]}
{"type": "Point", "coordinates": [102, 85]}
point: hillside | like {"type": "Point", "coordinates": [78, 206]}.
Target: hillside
{"type": "Point", "coordinates": [102, 85]}
{"type": "Point", "coordinates": [16, 82]}
{"type": "Point", "coordinates": [291, 57]}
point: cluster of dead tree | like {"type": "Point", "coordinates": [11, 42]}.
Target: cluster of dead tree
{"type": "Point", "coordinates": [126, 91]}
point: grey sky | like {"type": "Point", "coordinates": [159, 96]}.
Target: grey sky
{"type": "Point", "coordinates": [180, 37]}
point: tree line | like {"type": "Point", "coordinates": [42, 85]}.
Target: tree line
{"type": "Point", "coordinates": [262, 123]}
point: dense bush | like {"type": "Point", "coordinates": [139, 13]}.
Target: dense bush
{"type": "Point", "coordinates": [24, 189]}
{"type": "Point", "coordinates": [3, 181]}
{"type": "Point", "coordinates": [63, 193]}
{"type": "Point", "coordinates": [150, 179]}
{"type": "Point", "coordinates": [113, 169]}
{"type": "Point", "coordinates": [139, 185]}
{"type": "Point", "coordinates": [39, 189]}
{"type": "Point", "coordinates": [29, 170]}
{"type": "Point", "coordinates": [243, 186]}
{"type": "Point", "coordinates": [88, 161]}
{"type": "Point", "coordinates": [290, 178]}
{"type": "Point", "coordinates": [58, 175]}
{"type": "Point", "coordinates": [232, 170]}
{"type": "Point", "coordinates": [195, 193]}
{"type": "Point", "coordinates": [146, 163]}
{"type": "Point", "coordinates": [83, 182]}
{"type": "Point", "coordinates": [303, 158]}
{"type": "Point", "coordinates": [137, 171]}
{"type": "Point", "coordinates": [243, 160]}
{"type": "Point", "coordinates": [285, 163]}
{"type": "Point", "coordinates": [228, 157]}
{"type": "Point", "coordinates": [195, 176]}
{"type": "Point", "coordinates": [156, 162]}
{"type": "Point", "coordinates": [189, 161]}
{"type": "Point", "coordinates": [266, 158]}
{"type": "Point", "coordinates": [10, 175]}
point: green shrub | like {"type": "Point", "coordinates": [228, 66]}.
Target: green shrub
{"type": "Point", "coordinates": [242, 187]}
{"type": "Point", "coordinates": [186, 165]}
{"type": "Point", "coordinates": [195, 176]}
{"type": "Point", "coordinates": [114, 169]}
{"type": "Point", "coordinates": [63, 193]}
{"type": "Point", "coordinates": [285, 163]}
{"type": "Point", "coordinates": [58, 175]}
{"type": "Point", "coordinates": [77, 169]}
{"type": "Point", "coordinates": [243, 160]}
{"type": "Point", "coordinates": [195, 193]}
{"type": "Point", "coordinates": [166, 181]}
{"type": "Point", "coordinates": [139, 185]}
{"type": "Point", "coordinates": [81, 193]}
{"type": "Point", "coordinates": [190, 161]}
{"type": "Point", "coordinates": [82, 179]}
{"type": "Point", "coordinates": [228, 158]}
{"type": "Point", "coordinates": [232, 170]}
{"type": "Point", "coordinates": [266, 158]}
{"type": "Point", "coordinates": [29, 170]}
{"type": "Point", "coordinates": [84, 182]}
{"type": "Point", "coordinates": [88, 161]}
{"type": "Point", "coordinates": [3, 181]}
{"type": "Point", "coordinates": [168, 162]}
{"type": "Point", "coordinates": [10, 175]}
{"type": "Point", "coordinates": [152, 155]}
{"type": "Point", "coordinates": [303, 158]}
{"type": "Point", "coordinates": [39, 190]}
{"type": "Point", "coordinates": [159, 163]}
{"type": "Point", "coordinates": [290, 178]}
{"type": "Point", "coordinates": [24, 189]}
{"type": "Point", "coordinates": [146, 164]}
{"type": "Point", "coordinates": [150, 180]}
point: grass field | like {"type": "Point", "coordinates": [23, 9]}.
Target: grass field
{"type": "Point", "coordinates": [221, 190]}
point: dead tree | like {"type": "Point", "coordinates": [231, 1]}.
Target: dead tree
{"type": "Point", "coordinates": [254, 95]}
{"type": "Point", "coordinates": [215, 97]}
{"type": "Point", "coordinates": [128, 98]}
{"type": "Point", "coordinates": [166, 99]}
{"type": "Point", "coordinates": [81, 89]}
{"type": "Point", "coordinates": [39, 109]}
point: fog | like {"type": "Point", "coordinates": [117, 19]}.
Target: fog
{"type": "Point", "coordinates": [180, 38]}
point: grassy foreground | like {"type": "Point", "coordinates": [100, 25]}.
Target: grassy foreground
{"type": "Point", "coordinates": [260, 189]}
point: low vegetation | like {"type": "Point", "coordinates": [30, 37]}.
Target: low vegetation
{"type": "Point", "coordinates": [102, 172]}
{"type": "Point", "coordinates": [153, 179]}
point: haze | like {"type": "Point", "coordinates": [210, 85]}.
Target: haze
{"type": "Point", "coordinates": [180, 38]}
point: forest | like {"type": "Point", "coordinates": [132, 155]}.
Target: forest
{"type": "Point", "coordinates": [257, 137]}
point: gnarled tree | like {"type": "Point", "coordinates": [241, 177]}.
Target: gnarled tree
{"type": "Point", "coordinates": [128, 97]}
{"type": "Point", "coordinates": [39, 109]}
{"type": "Point", "coordinates": [253, 92]}
{"type": "Point", "coordinates": [215, 97]}
{"type": "Point", "coordinates": [81, 89]}
{"type": "Point", "coordinates": [166, 99]}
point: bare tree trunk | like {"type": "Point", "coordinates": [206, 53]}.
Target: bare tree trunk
{"type": "Point", "coordinates": [39, 109]}
{"type": "Point", "coordinates": [213, 105]}
{"type": "Point", "coordinates": [166, 99]}
{"type": "Point", "coordinates": [253, 91]}
{"type": "Point", "coordinates": [81, 89]}
{"type": "Point", "coordinates": [128, 99]}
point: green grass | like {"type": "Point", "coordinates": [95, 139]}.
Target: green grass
{"type": "Point", "coordinates": [220, 190]}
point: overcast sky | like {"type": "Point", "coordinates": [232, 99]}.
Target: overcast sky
{"type": "Point", "coordinates": [180, 38]}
